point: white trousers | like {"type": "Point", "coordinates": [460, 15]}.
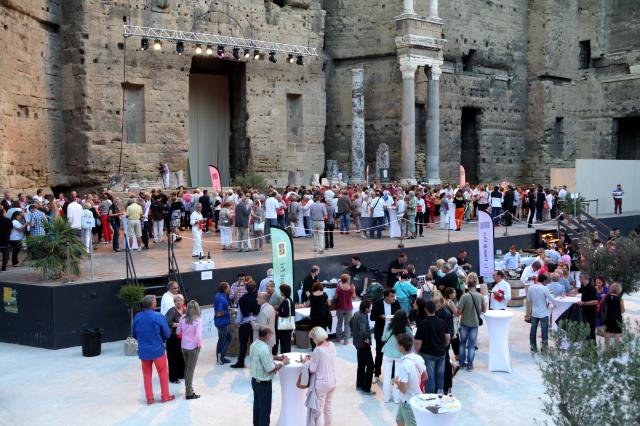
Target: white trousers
{"type": "Point", "coordinates": [225, 236]}
{"type": "Point", "coordinates": [387, 366]}
{"type": "Point", "coordinates": [197, 241]}
{"type": "Point", "coordinates": [86, 239]}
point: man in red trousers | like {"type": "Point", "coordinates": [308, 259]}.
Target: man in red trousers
{"type": "Point", "coordinates": [151, 330]}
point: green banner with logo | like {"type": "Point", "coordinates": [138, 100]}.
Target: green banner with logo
{"type": "Point", "coordinates": [282, 254]}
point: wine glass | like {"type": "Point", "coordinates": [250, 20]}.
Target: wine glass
{"type": "Point", "coordinates": [440, 394]}
{"type": "Point", "coordinates": [450, 394]}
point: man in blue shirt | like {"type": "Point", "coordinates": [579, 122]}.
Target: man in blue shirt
{"type": "Point", "coordinates": [150, 329]}
{"type": "Point", "coordinates": [540, 298]}
{"type": "Point", "coordinates": [511, 261]}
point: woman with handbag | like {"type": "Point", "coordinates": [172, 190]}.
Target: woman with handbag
{"type": "Point", "coordinates": [222, 320]}
{"type": "Point", "coordinates": [321, 365]}
{"type": "Point", "coordinates": [470, 305]}
{"type": "Point", "coordinates": [286, 319]}
{"type": "Point", "coordinates": [174, 352]}
{"type": "Point", "coordinates": [405, 292]}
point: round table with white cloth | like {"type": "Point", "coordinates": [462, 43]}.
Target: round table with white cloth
{"type": "Point", "coordinates": [426, 406]}
{"type": "Point", "coordinates": [293, 410]}
{"type": "Point", "coordinates": [562, 304]}
{"type": "Point", "coordinates": [498, 322]}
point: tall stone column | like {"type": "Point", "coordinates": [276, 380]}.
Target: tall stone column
{"type": "Point", "coordinates": [408, 8]}
{"type": "Point", "coordinates": [408, 148]}
{"type": "Point", "coordinates": [433, 124]}
{"type": "Point", "coordinates": [357, 126]}
{"type": "Point", "coordinates": [433, 9]}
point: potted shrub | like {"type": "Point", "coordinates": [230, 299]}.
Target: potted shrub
{"type": "Point", "coordinates": [131, 295]}
{"type": "Point", "coordinates": [58, 249]}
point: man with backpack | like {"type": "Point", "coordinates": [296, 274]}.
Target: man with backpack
{"type": "Point", "coordinates": [470, 306]}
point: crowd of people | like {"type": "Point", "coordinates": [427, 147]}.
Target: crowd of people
{"type": "Point", "coordinates": [425, 327]}
{"type": "Point", "coordinates": [306, 212]}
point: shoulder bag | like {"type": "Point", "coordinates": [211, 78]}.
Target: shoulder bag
{"type": "Point", "coordinates": [287, 323]}
{"type": "Point", "coordinates": [473, 300]}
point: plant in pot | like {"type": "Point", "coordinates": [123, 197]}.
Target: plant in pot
{"type": "Point", "coordinates": [56, 251]}
{"type": "Point", "coordinates": [131, 295]}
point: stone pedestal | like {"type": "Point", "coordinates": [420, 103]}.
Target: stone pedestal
{"type": "Point", "coordinates": [357, 126]}
{"type": "Point", "coordinates": [408, 146]}
{"type": "Point", "coordinates": [433, 125]}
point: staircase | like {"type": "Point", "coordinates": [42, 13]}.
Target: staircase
{"type": "Point", "coordinates": [584, 225]}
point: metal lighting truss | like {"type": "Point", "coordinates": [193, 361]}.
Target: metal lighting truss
{"type": "Point", "coordinates": [215, 39]}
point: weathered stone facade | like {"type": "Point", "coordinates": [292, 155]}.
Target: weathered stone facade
{"type": "Point", "coordinates": [526, 85]}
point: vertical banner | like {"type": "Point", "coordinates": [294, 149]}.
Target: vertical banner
{"type": "Point", "coordinates": [216, 185]}
{"type": "Point", "coordinates": [282, 257]}
{"type": "Point", "coordinates": [485, 244]}
{"type": "Point", "coordinates": [463, 176]}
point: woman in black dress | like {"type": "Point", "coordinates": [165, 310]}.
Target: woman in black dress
{"type": "Point", "coordinates": [614, 310]}
{"type": "Point", "coordinates": [319, 304]}
{"type": "Point", "coordinates": [174, 351]}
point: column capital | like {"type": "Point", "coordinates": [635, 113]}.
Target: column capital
{"type": "Point", "coordinates": [434, 72]}
{"type": "Point", "coordinates": [408, 71]}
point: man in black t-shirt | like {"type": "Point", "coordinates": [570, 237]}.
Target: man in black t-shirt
{"type": "Point", "coordinates": [398, 266]}
{"type": "Point", "coordinates": [359, 275]}
{"type": "Point", "coordinates": [450, 279]}
{"type": "Point", "coordinates": [431, 341]}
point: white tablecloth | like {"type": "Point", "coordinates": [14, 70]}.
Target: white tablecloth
{"type": "Point", "coordinates": [293, 411]}
{"type": "Point", "coordinates": [303, 313]}
{"type": "Point", "coordinates": [425, 417]}
{"type": "Point", "coordinates": [563, 303]}
{"type": "Point", "coordinates": [498, 324]}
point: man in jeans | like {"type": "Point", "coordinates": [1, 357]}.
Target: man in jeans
{"type": "Point", "coordinates": [344, 211]}
{"type": "Point", "coordinates": [318, 214]}
{"type": "Point", "coordinates": [538, 295]}
{"type": "Point", "coordinates": [431, 341]}
{"type": "Point", "coordinates": [470, 306]}
{"type": "Point", "coordinates": [376, 210]}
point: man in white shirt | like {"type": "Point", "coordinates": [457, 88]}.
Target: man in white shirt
{"type": "Point", "coordinates": [74, 215]}
{"type": "Point", "coordinates": [562, 194]}
{"type": "Point", "coordinates": [500, 293]}
{"type": "Point", "coordinates": [540, 298]}
{"type": "Point", "coordinates": [410, 372]}
{"type": "Point", "coordinates": [270, 214]}
{"type": "Point", "coordinates": [377, 215]}
{"type": "Point", "coordinates": [511, 261]}
{"type": "Point", "coordinates": [262, 288]}
{"type": "Point", "coordinates": [529, 277]}
{"type": "Point", "coordinates": [167, 301]}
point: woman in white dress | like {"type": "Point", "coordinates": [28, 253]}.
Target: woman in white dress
{"type": "Point", "coordinates": [443, 210]}
{"type": "Point", "coordinates": [451, 213]}
{"type": "Point", "coordinates": [365, 215]}
{"type": "Point", "coordinates": [394, 225]}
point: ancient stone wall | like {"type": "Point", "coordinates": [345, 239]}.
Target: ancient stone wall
{"type": "Point", "coordinates": [31, 123]}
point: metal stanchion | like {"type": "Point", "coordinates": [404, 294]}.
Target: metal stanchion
{"type": "Point", "coordinates": [91, 258]}
{"type": "Point", "coordinates": [69, 281]}
{"type": "Point", "coordinates": [448, 229]}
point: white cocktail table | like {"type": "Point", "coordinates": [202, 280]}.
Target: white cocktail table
{"type": "Point", "coordinates": [562, 304]}
{"type": "Point", "coordinates": [293, 410]}
{"type": "Point", "coordinates": [448, 408]}
{"type": "Point", "coordinates": [498, 323]}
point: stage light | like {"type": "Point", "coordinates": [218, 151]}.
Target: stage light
{"type": "Point", "coordinates": [144, 44]}
{"type": "Point", "coordinates": [247, 53]}
{"type": "Point", "coordinates": [299, 61]}
{"type": "Point", "coordinates": [272, 57]}
{"type": "Point", "coordinates": [198, 49]}
{"type": "Point", "coordinates": [180, 47]}
{"type": "Point", "coordinates": [256, 54]}
{"type": "Point", "coordinates": [220, 51]}
{"type": "Point", "coordinates": [209, 49]}
{"type": "Point", "coordinates": [157, 45]}
{"type": "Point", "coordinates": [290, 58]}
{"type": "Point", "coordinates": [236, 53]}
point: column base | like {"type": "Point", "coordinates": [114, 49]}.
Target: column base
{"type": "Point", "coordinates": [356, 181]}
{"type": "Point", "coordinates": [434, 181]}
{"type": "Point", "coordinates": [408, 181]}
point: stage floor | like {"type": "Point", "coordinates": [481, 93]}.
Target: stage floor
{"type": "Point", "coordinates": [109, 265]}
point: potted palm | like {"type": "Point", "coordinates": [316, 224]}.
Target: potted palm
{"type": "Point", "coordinates": [131, 295]}
{"type": "Point", "coordinates": [56, 253]}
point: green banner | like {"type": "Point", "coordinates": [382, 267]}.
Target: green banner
{"type": "Point", "coordinates": [282, 254]}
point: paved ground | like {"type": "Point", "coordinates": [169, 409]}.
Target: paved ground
{"type": "Point", "coordinates": [109, 265]}
{"type": "Point", "coordinates": [43, 387]}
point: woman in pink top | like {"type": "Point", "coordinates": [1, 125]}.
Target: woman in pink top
{"type": "Point", "coordinates": [322, 364]}
{"type": "Point", "coordinates": [343, 297]}
{"type": "Point", "coordinates": [190, 327]}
